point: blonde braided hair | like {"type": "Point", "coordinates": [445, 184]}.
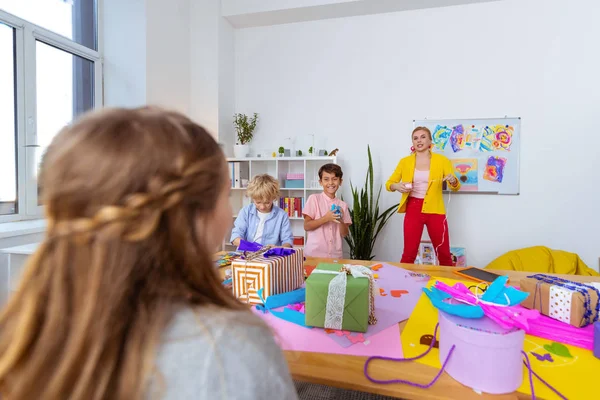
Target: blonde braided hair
{"type": "Point", "coordinates": [129, 196]}
{"type": "Point", "coordinates": [140, 214]}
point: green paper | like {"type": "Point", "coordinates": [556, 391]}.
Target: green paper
{"type": "Point", "coordinates": [558, 349]}
{"type": "Point", "coordinates": [356, 307]}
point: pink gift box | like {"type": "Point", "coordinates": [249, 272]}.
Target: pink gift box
{"type": "Point", "coordinates": [295, 176]}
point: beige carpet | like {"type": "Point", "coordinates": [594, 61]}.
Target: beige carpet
{"type": "Point", "coordinates": [310, 391]}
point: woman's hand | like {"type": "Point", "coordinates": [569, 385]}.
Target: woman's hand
{"type": "Point", "coordinates": [451, 179]}
{"type": "Point", "coordinates": [400, 187]}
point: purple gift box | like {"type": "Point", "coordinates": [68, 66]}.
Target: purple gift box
{"type": "Point", "coordinates": [487, 357]}
{"type": "Point", "coordinates": [597, 339]}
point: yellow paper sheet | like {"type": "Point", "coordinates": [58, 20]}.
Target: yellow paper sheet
{"type": "Point", "coordinates": [574, 376]}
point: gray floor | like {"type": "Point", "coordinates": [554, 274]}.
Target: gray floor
{"type": "Point", "coordinates": [310, 391]}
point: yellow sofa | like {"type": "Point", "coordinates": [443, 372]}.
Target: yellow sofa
{"type": "Point", "coordinates": [541, 259]}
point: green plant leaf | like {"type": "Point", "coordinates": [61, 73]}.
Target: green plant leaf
{"type": "Point", "coordinates": [367, 221]}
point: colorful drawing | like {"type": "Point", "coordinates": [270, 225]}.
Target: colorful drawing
{"type": "Point", "coordinates": [466, 172]}
{"type": "Point", "coordinates": [558, 349]}
{"type": "Point", "coordinates": [426, 254]}
{"type": "Point", "coordinates": [497, 137]}
{"type": "Point", "coordinates": [398, 293]}
{"type": "Point", "coordinates": [457, 138]}
{"type": "Point", "coordinates": [545, 357]}
{"type": "Point", "coordinates": [427, 339]}
{"type": "Point", "coordinates": [473, 137]}
{"type": "Point", "coordinates": [458, 256]}
{"type": "Point", "coordinates": [440, 136]}
{"type": "Point", "coordinates": [494, 169]}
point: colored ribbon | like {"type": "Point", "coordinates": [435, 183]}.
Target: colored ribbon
{"type": "Point", "coordinates": [249, 246]}
{"type": "Point", "coordinates": [281, 300]}
{"type": "Point", "coordinates": [279, 251]}
{"type": "Point", "coordinates": [497, 302]}
{"type": "Point", "coordinates": [336, 296]}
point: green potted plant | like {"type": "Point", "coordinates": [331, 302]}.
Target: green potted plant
{"type": "Point", "coordinates": [281, 151]}
{"type": "Point", "coordinates": [367, 221]}
{"type": "Point", "coordinates": [311, 151]}
{"type": "Point", "coordinates": [244, 127]}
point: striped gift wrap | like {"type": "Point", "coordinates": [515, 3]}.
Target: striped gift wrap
{"type": "Point", "coordinates": [274, 274]}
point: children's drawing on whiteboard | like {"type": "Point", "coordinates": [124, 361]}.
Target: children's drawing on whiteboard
{"type": "Point", "coordinates": [440, 136]}
{"type": "Point", "coordinates": [465, 170]}
{"type": "Point", "coordinates": [497, 137]}
{"type": "Point", "coordinates": [457, 138]}
{"type": "Point", "coordinates": [494, 169]}
{"type": "Point", "coordinates": [473, 137]}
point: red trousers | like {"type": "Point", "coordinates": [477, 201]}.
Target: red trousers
{"type": "Point", "coordinates": [437, 227]}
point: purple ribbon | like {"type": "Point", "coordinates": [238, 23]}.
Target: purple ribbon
{"type": "Point", "coordinates": [249, 246]}
{"type": "Point", "coordinates": [279, 251]}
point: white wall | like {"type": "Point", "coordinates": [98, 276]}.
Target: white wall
{"type": "Point", "coordinates": [168, 54]}
{"type": "Point", "coordinates": [204, 63]}
{"type": "Point", "coordinates": [123, 46]}
{"type": "Point", "coordinates": [360, 80]}
{"type": "Point", "coordinates": [226, 80]}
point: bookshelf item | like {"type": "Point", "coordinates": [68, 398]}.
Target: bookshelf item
{"type": "Point", "coordinates": [297, 177]}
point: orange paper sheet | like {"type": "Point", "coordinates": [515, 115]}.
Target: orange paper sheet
{"type": "Point", "coordinates": [572, 372]}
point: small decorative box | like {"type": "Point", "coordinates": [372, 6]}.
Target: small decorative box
{"type": "Point", "coordinates": [571, 302]}
{"type": "Point", "coordinates": [274, 274]}
{"type": "Point", "coordinates": [487, 357]}
{"type": "Point", "coordinates": [292, 176]}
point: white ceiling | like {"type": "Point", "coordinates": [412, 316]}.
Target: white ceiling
{"type": "Point", "coordinates": [253, 13]}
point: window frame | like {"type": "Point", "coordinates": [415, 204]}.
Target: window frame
{"type": "Point", "coordinates": [26, 36]}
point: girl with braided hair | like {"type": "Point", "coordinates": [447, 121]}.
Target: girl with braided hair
{"type": "Point", "coordinates": [121, 300]}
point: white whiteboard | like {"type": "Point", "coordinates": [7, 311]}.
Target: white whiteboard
{"type": "Point", "coordinates": [484, 152]}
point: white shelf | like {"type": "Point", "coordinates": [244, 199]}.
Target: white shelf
{"type": "Point", "coordinates": [279, 167]}
{"type": "Point", "coordinates": [316, 158]}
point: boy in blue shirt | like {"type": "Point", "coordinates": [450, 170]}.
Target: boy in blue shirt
{"type": "Point", "coordinates": [261, 221]}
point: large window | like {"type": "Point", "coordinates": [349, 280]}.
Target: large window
{"type": "Point", "coordinates": [50, 72]}
{"type": "Point", "coordinates": [8, 126]}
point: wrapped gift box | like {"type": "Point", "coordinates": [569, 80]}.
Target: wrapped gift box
{"type": "Point", "coordinates": [338, 300]}
{"type": "Point", "coordinates": [562, 300]}
{"type": "Point", "coordinates": [482, 339]}
{"type": "Point", "coordinates": [275, 274]}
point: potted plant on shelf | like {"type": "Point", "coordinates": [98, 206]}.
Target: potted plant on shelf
{"type": "Point", "coordinates": [367, 221]}
{"type": "Point", "coordinates": [281, 151]}
{"type": "Point", "coordinates": [244, 127]}
{"type": "Point", "coordinates": [310, 151]}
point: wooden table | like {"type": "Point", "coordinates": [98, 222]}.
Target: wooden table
{"type": "Point", "coordinates": [347, 371]}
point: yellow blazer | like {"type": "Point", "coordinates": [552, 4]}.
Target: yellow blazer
{"type": "Point", "coordinates": [433, 203]}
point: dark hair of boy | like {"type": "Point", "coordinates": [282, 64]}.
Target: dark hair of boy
{"type": "Point", "coordinates": [332, 169]}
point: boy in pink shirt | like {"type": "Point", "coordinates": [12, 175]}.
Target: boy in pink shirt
{"type": "Point", "coordinates": [326, 228]}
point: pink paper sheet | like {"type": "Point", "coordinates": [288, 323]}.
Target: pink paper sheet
{"type": "Point", "coordinates": [390, 310]}
{"type": "Point", "coordinates": [382, 339]}
{"type": "Point", "coordinates": [297, 338]}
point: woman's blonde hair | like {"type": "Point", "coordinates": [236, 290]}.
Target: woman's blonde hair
{"type": "Point", "coordinates": [263, 187]}
{"type": "Point", "coordinates": [128, 194]}
{"type": "Point", "coordinates": [422, 128]}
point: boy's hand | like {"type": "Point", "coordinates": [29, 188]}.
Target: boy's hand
{"type": "Point", "coordinates": [331, 217]}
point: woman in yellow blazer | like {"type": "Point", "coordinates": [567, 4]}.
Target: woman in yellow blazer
{"type": "Point", "coordinates": [420, 177]}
